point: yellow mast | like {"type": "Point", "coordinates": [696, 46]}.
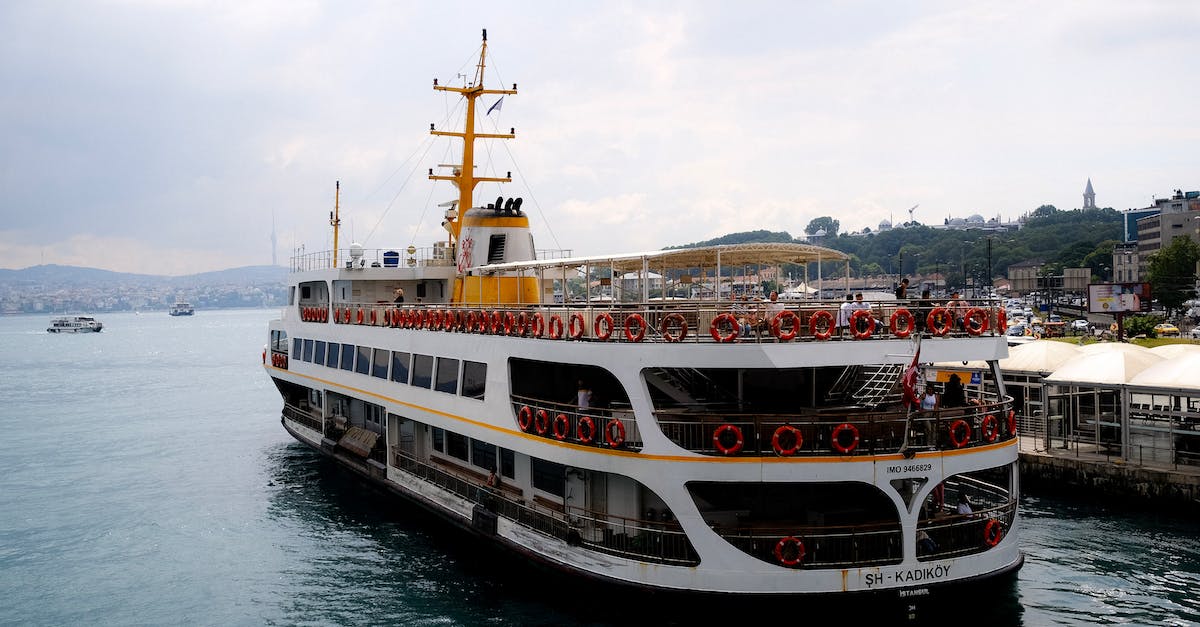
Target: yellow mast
{"type": "Point", "coordinates": [335, 219]}
{"type": "Point", "coordinates": [464, 176]}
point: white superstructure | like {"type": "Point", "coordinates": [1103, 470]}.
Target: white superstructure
{"type": "Point", "coordinates": [75, 324]}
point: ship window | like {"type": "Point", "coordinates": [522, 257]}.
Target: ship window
{"type": "Point", "coordinates": [379, 365]}
{"type": "Point", "coordinates": [473, 377]}
{"type": "Point", "coordinates": [347, 356]}
{"type": "Point", "coordinates": [439, 440]}
{"type": "Point", "coordinates": [362, 364]}
{"type": "Point", "coordinates": [305, 292]}
{"type": "Point", "coordinates": [447, 375]}
{"type": "Point", "coordinates": [308, 348]}
{"type": "Point", "coordinates": [548, 476]}
{"type": "Point", "coordinates": [279, 341]}
{"type": "Point", "coordinates": [319, 352]}
{"type": "Point", "coordinates": [422, 374]}
{"type": "Point", "coordinates": [400, 367]}
{"type": "Point", "coordinates": [483, 454]}
{"type": "Point", "coordinates": [496, 248]}
{"type": "Point", "coordinates": [297, 345]}
{"type": "Point", "coordinates": [292, 295]}
{"type": "Point", "coordinates": [508, 463]}
{"type": "Point", "coordinates": [456, 446]}
{"type": "Point", "coordinates": [331, 358]}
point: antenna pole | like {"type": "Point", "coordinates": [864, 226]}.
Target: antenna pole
{"type": "Point", "coordinates": [335, 219]}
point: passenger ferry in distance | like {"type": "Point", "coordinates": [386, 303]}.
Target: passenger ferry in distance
{"type": "Point", "coordinates": [181, 308]}
{"type": "Point", "coordinates": [646, 437]}
{"type": "Point", "coordinates": [75, 324]}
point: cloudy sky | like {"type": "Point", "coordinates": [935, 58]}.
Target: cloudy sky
{"type": "Point", "coordinates": [171, 137]}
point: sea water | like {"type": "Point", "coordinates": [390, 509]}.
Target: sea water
{"type": "Point", "coordinates": [145, 480]}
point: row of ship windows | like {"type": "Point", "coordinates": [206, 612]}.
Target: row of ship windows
{"type": "Point", "coordinates": [546, 476]}
{"type": "Point", "coordinates": [443, 374]}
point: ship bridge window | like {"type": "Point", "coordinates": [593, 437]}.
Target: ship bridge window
{"type": "Point", "coordinates": [347, 356]}
{"type": "Point", "coordinates": [400, 366]}
{"type": "Point", "coordinates": [362, 364]}
{"type": "Point", "coordinates": [332, 356]}
{"type": "Point", "coordinates": [496, 248]}
{"type": "Point", "coordinates": [447, 375]}
{"type": "Point", "coordinates": [473, 378]}
{"type": "Point", "coordinates": [279, 341]}
{"type": "Point", "coordinates": [379, 363]}
{"type": "Point", "coordinates": [422, 374]}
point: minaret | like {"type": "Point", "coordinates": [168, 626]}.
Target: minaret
{"type": "Point", "coordinates": [1089, 196]}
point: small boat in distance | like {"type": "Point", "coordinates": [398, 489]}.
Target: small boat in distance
{"type": "Point", "coordinates": [182, 309]}
{"type": "Point", "coordinates": [75, 324]}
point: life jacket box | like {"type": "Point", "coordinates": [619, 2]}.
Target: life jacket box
{"type": "Point", "coordinates": [391, 259]}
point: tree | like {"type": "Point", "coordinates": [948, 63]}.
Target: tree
{"type": "Point", "coordinates": [1172, 272]}
{"type": "Point", "coordinates": [1044, 211]}
{"type": "Point", "coordinates": [824, 222]}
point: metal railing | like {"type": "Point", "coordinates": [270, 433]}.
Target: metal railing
{"type": "Point", "coordinates": [821, 547]}
{"type": "Point", "coordinates": [597, 427]}
{"type": "Point", "coordinates": [303, 417]}
{"type": "Point", "coordinates": [1156, 436]}
{"type": "Point", "coordinates": [662, 543]}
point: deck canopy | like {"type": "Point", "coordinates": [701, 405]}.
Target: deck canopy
{"type": "Point", "coordinates": [765, 254]}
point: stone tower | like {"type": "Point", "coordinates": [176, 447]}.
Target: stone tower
{"type": "Point", "coordinates": [1089, 196]}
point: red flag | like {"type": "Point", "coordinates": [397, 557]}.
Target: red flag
{"type": "Point", "coordinates": [909, 380]}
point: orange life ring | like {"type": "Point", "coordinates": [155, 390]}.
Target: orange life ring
{"type": "Point", "coordinates": [359, 319]}
{"type": "Point", "coordinates": [719, 443]}
{"type": "Point", "coordinates": [630, 321]}
{"type": "Point", "coordinates": [482, 322]}
{"type": "Point", "coordinates": [836, 437]}
{"type": "Point", "coordinates": [932, 321]}
{"type": "Point", "coordinates": [990, 428]}
{"type": "Point", "coordinates": [562, 425]}
{"type": "Point", "coordinates": [781, 434]}
{"type": "Point", "coordinates": [821, 320]}
{"type": "Point", "coordinates": [264, 356]}
{"type": "Point", "coordinates": [510, 321]}
{"type": "Point", "coordinates": [538, 326]}
{"type": "Point", "coordinates": [975, 313]}
{"type": "Point", "coordinates": [304, 314]}
{"type": "Point", "coordinates": [993, 532]}
{"type": "Point", "coordinates": [522, 323]}
{"type": "Point", "coordinates": [556, 327]}
{"type": "Point", "coordinates": [373, 317]}
{"type": "Point", "coordinates": [855, 318]}
{"type": "Point", "coordinates": [614, 433]}
{"type": "Point", "coordinates": [718, 334]}
{"type": "Point", "coordinates": [673, 319]}
{"type": "Point", "coordinates": [585, 429]}
{"type": "Point", "coordinates": [782, 318]}
{"type": "Point", "coordinates": [496, 324]}
{"type": "Point", "coordinates": [602, 326]}
{"type": "Point", "coordinates": [541, 422]}
{"type": "Point", "coordinates": [576, 325]}
{"type": "Point", "coordinates": [906, 316]}
{"type": "Point", "coordinates": [448, 320]}
{"type": "Point", "coordinates": [1012, 422]}
{"type": "Point", "coordinates": [789, 551]}
{"type": "Point", "coordinates": [470, 321]}
{"type": "Point", "coordinates": [1001, 319]}
{"type": "Point", "coordinates": [525, 418]}
{"type": "Point", "coordinates": [955, 428]}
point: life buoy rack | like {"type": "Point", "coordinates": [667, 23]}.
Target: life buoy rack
{"type": "Point", "coordinates": [525, 418]}
{"type": "Point", "coordinates": [585, 429]}
{"type": "Point", "coordinates": [958, 427]}
{"type": "Point", "coordinates": [673, 320]}
{"type": "Point", "coordinates": [975, 313]}
{"type": "Point", "coordinates": [576, 325]}
{"type": "Point", "coordinates": [778, 322]}
{"type": "Point", "coordinates": [989, 428]}
{"type": "Point", "coordinates": [939, 321]}
{"type": "Point", "coordinates": [904, 316]}
{"type": "Point", "coordinates": [556, 327]}
{"type": "Point", "coordinates": [859, 330]}
{"type": "Point", "coordinates": [836, 438]}
{"type": "Point", "coordinates": [993, 532]}
{"type": "Point", "coordinates": [614, 433]}
{"type": "Point", "coordinates": [602, 326]}
{"type": "Point", "coordinates": [722, 336]}
{"type": "Point", "coordinates": [1012, 422]}
{"type": "Point", "coordinates": [719, 438]}
{"type": "Point", "coordinates": [779, 440]}
{"type": "Point", "coordinates": [538, 325]}
{"type": "Point", "coordinates": [821, 325]}
{"type": "Point", "coordinates": [562, 426]}
{"type": "Point", "coordinates": [541, 422]}
{"type": "Point", "coordinates": [789, 551]}
{"type": "Point", "coordinates": [635, 320]}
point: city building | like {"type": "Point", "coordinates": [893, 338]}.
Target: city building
{"type": "Point", "coordinates": [1174, 216]}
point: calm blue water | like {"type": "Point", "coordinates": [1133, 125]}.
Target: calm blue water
{"type": "Point", "coordinates": [145, 480]}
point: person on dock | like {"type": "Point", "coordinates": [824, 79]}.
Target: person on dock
{"type": "Point", "coordinates": [399, 296]}
{"type": "Point", "coordinates": [843, 319]}
{"type": "Point", "coordinates": [902, 289]}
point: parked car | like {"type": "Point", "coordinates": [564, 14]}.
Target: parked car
{"type": "Point", "coordinates": [1195, 333]}
{"type": "Point", "coordinates": [1080, 324]}
{"type": "Point", "coordinates": [1166, 328]}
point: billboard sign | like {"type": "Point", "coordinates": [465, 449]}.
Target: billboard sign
{"type": "Point", "coordinates": [1113, 298]}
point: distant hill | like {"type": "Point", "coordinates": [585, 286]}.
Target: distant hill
{"type": "Point", "coordinates": [745, 237]}
{"type": "Point", "coordinates": [75, 275]}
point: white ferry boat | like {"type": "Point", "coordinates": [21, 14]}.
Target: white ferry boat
{"type": "Point", "coordinates": [647, 438]}
{"type": "Point", "coordinates": [182, 308]}
{"type": "Point", "coordinates": [75, 324]}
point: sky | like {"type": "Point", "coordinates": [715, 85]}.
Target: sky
{"type": "Point", "coordinates": [174, 137]}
